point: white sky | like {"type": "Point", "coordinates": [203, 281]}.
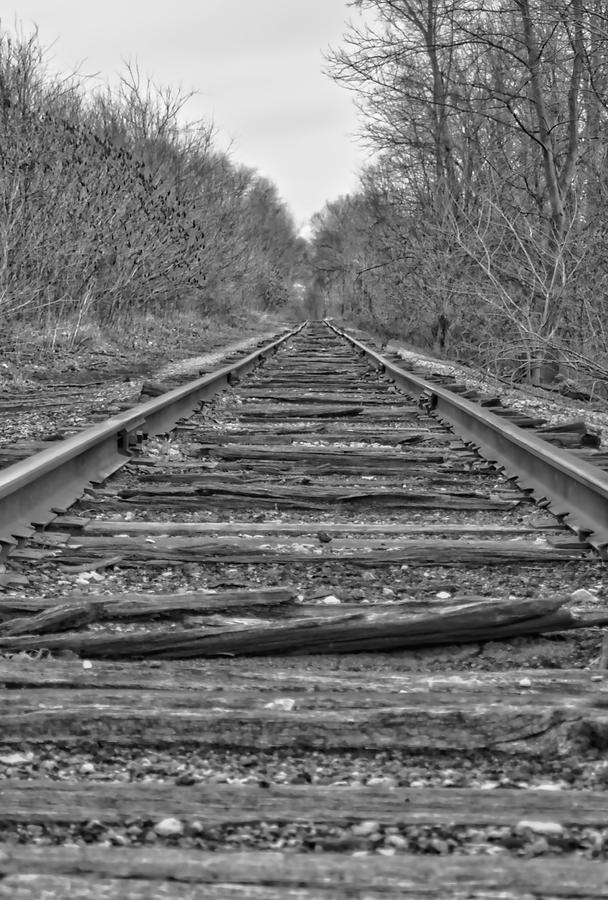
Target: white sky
{"type": "Point", "coordinates": [257, 65]}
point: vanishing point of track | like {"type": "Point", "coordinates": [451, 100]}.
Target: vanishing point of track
{"type": "Point", "coordinates": [270, 657]}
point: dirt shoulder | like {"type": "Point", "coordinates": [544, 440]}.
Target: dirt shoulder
{"type": "Point", "coordinates": [532, 401]}
{"type": "Point", "coordinates": [48, 392]}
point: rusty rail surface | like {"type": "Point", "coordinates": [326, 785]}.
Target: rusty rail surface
{"type": "Point", "coordinates": [30, 490]}
{"type": "Point", "coordinates": [574, 490]}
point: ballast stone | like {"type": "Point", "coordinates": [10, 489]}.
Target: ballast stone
{"type": "Point", "coordinates": [16, 759]}
{"type": "Point", "coordinates": [582, 595]}
{"type": "Point", "coordinates": [539, 827]}
{"type": "Point", "coordinates": [169, 827]}
{"type": "Point", "coordinates": [365, 828]}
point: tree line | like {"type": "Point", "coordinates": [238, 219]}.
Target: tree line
{"type": "Point", "coordinates": [111, 208]}
{"type": "Point", "coordinates": [480, 227]}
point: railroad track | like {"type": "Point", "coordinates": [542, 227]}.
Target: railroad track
{"type": "Point", "coordinates": [313, 646]}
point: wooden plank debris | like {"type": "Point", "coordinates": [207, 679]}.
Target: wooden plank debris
{"type": "Point", "coordinates": [285, 452]}
{"type": "Point", "coordinates": [170, 550]}
{"type": "Point", "coordinates": [423, 722]}
{"type": "Point", "coordinates": [95, 873]}
{"type": "Point", "coordinates": [541, 686]}
{"type": "Point", "coordinates": [297, 496]}
{"type": "Point", "coordinates": [134, 527]}
{"type": "Point", "coordinates": [357, 432]}
{"type": "Point", "coordinates": [351, 633]}
{"type": "Point", "coordinates": [299, 395]}
{"type": "Point", "coordinates": [310, 411]}
{"type": "Point", "coordinates": [78, 612]}
{"type": "Point", "coordinates": [208, 705]}
{"type": "Point", "coordinates": [45, 802]}
{"type": "Point", "coordinates": [292, 471]}
{"type": "Point", "coordinates": [285, 411]}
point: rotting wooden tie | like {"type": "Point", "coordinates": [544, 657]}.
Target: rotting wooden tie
{"type": "Point", "coordinates": [483, 620]}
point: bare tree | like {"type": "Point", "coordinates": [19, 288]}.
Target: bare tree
{"type": "Point", "coordinates": [489, 124]}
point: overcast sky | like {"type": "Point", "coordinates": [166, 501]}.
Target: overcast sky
{"type": "Point", "coordinates": [256, 65]}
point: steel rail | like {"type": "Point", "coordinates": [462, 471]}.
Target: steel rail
{"type": "Point", "coordinates": [30, 490]}
{"type": "Point", "coordinates": [574, 490]}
